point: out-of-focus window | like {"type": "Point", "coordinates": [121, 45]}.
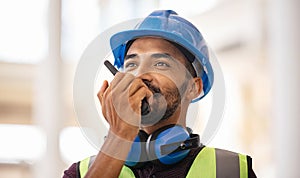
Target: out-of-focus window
{"type": "Point", "coordinates": [80, 25]}
{"type": "Point", "coordinates": [23, 30]}
{"type": "Point", "coordinates": [74, 146]}
{"type": "Point", "coordinates": [21, 143]}
{"type": "Point", "coordinates": [192, 7]}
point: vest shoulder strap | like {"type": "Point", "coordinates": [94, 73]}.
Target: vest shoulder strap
{"type": "Point", "coordinates": [126, 172]}
{"type": "Point", "coordinates": [86, 163]}
{"type": "Point", "coordinates": [84, 166]}
{"type": "Point", "coordinates": [204, 165]}
{"type": "Point", "coordinates": [217, 163]}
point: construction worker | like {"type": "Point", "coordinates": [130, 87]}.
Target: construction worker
{"type": "Point", "coordinates": [164, 66]}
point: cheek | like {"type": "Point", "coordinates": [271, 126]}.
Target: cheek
{"type": "Point", "coordinates": [170, 90]}
{"type": "Point", "coordinates": [179, 76]}
{"type": "Point", "coordinates": [177, 81]}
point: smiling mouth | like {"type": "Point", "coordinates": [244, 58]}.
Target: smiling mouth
{"type": "Point", "coordinates": [146, 109]}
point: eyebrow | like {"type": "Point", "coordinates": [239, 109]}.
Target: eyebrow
{"type": "Point", "coordinates": [162, 55]}
{"type": "Point", "coordinates": [154, 55]}
{"type": "Point", "coordinates": [129, 56]}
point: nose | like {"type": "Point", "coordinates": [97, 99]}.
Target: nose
{"type": "Point", "coordinates": [143, 70]}
{"type": "Point", "coordinates": [146, 77]}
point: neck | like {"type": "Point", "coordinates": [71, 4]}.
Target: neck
{"type": "Point", "coordinates": [179, 118]}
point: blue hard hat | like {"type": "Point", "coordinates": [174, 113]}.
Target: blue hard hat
{"type": "Point", "coordinates": [168, 25]}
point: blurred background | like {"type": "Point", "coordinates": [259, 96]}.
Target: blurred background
{"type": "Point", "coordinates": [41, 41]}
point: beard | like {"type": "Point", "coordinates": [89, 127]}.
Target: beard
{"type": "Point", "coordinates": [164, 105]}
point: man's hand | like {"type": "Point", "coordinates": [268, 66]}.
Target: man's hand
{"type": "Point", "coordinates": [121, 104]}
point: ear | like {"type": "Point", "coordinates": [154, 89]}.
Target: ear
{"type": "Point", "coordinates": [195, 89]}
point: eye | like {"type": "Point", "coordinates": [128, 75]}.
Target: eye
{"type": "Point", "coordinates": [130, 66]}
{"type": "Point", "coordinates": [162, 64]}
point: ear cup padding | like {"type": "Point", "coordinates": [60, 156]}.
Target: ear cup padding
{"type": "Point", "coordinates": [172, 136]}
{"type": "Point", "coordinates": [137, 156]}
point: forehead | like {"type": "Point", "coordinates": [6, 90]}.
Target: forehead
{"type": "Point", "coordinates": [154, 45]}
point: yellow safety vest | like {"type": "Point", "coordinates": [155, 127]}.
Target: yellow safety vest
{"type": "Point", "coordinates": [209, 163]}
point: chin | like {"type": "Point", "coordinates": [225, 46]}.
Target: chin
{"type": "Point", "coordinates": [152, 118]}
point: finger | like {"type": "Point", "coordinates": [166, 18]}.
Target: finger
{"type": "Point", "coordinates": [136, 85]}
{"type": "Point", "coordinates": [118, 77]}
{"type": "Point", "coordinates": [122, 82]}
{"type": "Point", "coordinates": [136, 99]}
{"type": "Point", "coordinates": [102, 91]}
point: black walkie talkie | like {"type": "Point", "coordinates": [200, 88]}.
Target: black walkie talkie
{"type": "Point", "coordinates": [145, 109]}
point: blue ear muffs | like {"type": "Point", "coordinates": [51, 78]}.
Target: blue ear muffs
{"type": "Point", "coordinates": [162, 145]}
{"type": "Point", "coordinates": [168, 145]}
{"type": "Point", "coordinates": [137, 156]}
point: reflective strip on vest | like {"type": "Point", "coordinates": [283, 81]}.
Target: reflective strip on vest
{"type": "Point", "coordinates": [209, 163]}
{"type": "Point", "coordinates": [243, 166]}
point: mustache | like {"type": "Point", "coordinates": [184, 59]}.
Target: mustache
{"type": "Point", "coordinates": [151, 87]}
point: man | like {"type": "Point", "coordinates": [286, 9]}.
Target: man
{"type": "Point", "coordinates": [165, 66]}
